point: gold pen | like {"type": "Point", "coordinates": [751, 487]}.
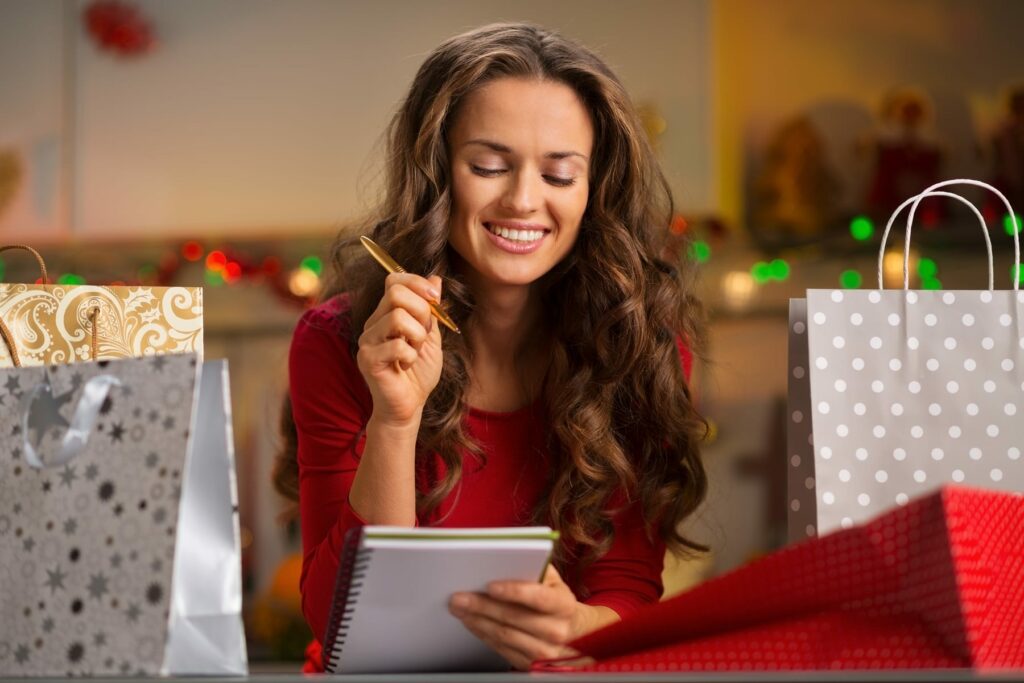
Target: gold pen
{"type": "Point", "coordinates": [383, 258]}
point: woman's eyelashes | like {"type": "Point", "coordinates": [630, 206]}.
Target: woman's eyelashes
{"type": "Point", "coordinates": [486, 172]}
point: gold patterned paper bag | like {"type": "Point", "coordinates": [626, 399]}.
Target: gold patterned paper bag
{"type": "Point", "coordinates": [57, 324]}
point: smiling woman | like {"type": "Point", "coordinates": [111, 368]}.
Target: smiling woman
{"type": "Point", "coordinates": [521, 186]}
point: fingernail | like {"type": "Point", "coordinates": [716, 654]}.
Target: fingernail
{"type": "Point", "coordinates": [434, 294]}
{"type": "Point", "coordinates": [460, 602]}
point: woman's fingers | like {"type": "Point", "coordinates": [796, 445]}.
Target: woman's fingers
{"type": "Point", "coordinates": [518, 647]}
{"type": "Point", "coordinates": [387, 353]}
{"type": "Point", "coordinates": [398, 324]}
{"type": "Point", "coordinates": [543, 626]}
{"type": "Point", "coordinates": [550, 597]}
{"type": "Point", "coordinates": [399, 295]}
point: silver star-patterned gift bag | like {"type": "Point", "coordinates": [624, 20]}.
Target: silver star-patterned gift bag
{"type": "Point", "coordinates": [118, 520]}
{"type": "Point", "coordinates": [895, 393]}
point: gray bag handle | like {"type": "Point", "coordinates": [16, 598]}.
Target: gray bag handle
{"type": "Point", "coordinates": [931, 191]}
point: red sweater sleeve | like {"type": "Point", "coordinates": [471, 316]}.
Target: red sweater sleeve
{"type": "Point", "coordinates": [628, 576]}
{"type": "Point", "coordinates": [330, 405]}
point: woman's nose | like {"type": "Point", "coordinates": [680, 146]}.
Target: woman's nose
{"type": "Point", "coordinates": [522, 194]}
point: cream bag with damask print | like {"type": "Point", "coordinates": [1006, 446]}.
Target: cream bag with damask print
{"type": "Point", "coordinates": [56, 324]}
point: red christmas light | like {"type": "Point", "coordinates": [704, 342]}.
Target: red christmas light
{"type": "Point", "coordinates": [679, 225]}
{"type": "Point", "coordinates": [216, 260]}
{"type": "Point", "coordinates": [192, 251]}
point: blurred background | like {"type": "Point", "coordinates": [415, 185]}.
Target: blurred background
{"type": "Point", "coordinates": [223, 143]}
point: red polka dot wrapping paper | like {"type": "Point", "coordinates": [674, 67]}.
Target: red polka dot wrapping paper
{"type": "Point", "coordinates": [938, 583]}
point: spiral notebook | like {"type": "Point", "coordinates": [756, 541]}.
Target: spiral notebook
{"type": "Point", "coordinates": [390, 611]}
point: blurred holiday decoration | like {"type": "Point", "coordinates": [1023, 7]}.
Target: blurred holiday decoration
{"type": "Point", "coordinates": [653, 122]}
{"type": "Point", "coordinates": [275, 619]}
{"type": "Point", "coordinates": [796, 194]}
{"type": "Point", "coordinates": [1008, 152]}
{"type": "Point", "coordinates": [118, 27]}
{"type": "Point", "coordinates": [10, 177]}
{"type": "Point", "coordinates": [227, 265]}
{"type": "Point", "coordinates": [905, 156]}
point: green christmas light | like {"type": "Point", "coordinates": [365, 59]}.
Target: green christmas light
{"type": "Point", "coordinates": [927, 268]}
{"type": "Point", "coordinates": [700, 251]}
{"type": "Point", "coordinates": [3, 268]}
{"type": "Point", "coordinates": [850, 279]}
{"type": "Point", "coordinates": [1011, 223]}
{"type": "Point", "coordinates": [70, 279]}
{"type": "Point", "coordinates": [314, 264]}
{"type": "Point", "coordinates": [1017, 273]}
{"type": "Point", "coordinates": [778, 269]}
{"type": "Point", "coordinates": [761, 272]}
{"type": "Point", "coordinates": [931, 283]}
{"type": "Point", "coordinates": [214, 278]}
{"type": "Point", "coordinates": [147, 272]}
{"type": "Point", "coordinates": [862, 228]}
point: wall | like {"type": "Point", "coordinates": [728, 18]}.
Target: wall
{"type": "Point", "coordinates": [261, 117]}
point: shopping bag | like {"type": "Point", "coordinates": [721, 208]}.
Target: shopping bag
{"type": "Point", "coordinates": [938, 583]}
{"type": "Point", "coordinates": [48, 324]}
{"type": "Point", "coordinates": [894, 393]}
{"type": "Point", "coordinates": [118, 520]}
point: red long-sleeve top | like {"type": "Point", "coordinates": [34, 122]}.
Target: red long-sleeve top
{"type": "Point", "coordinates": [331, 405]}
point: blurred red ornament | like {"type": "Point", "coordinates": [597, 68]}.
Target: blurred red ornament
{"type": "Point", "coordinates": [930, 216]}
{"type": "Point", "coordinates": [118, 27]}
{"type": "Point", "coordinates": [271, 265]}
{"type": "Point", "coordinates": [989, 213]}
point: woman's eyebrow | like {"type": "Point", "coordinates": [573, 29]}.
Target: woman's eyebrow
{"type": "Point", "coordinates": [505, 149]}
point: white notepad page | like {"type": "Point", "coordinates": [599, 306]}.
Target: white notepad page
{"type": "Point", "coordinates": [401, 621]}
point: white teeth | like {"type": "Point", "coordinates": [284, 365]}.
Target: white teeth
{"type": "Point", "coordinates": [518, 235]}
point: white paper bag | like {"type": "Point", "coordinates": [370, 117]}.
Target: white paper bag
{"type": "Point", "coordinates": [894, 393]}
{"type": "Point", "coordinates": [118, 520]}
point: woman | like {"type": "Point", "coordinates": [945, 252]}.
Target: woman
{"type": "Point", "coordinates": [521, 187]}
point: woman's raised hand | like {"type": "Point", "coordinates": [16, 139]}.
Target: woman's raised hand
{"type": "Point", "coordinates": [400, 349]}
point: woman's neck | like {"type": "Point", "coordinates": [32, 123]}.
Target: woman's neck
{"type": "Point", "coordinates": [508, 366]}
{"type": "Point", "coordinates": [503, 321]}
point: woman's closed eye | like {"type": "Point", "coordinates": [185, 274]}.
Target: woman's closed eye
{"type": "Point", "coordinates": [487, 172]}
{"type": "Point", "coordinates": [559, 181]}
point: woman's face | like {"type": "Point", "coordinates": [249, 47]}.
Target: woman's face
{"type": "Point", "coordinates": [520, 152]}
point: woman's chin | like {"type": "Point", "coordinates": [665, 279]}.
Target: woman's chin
{"type": "Point", "coordinates": [515, 277]}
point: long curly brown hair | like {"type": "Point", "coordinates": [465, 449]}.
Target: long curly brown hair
{"type": "Point", "coordinates": [622, 423]}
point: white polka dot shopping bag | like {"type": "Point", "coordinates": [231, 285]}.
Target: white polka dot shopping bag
{"type": "Point", "coordinates": [893, 393]}
{"type": "Point", "coordinates": [118, 520]}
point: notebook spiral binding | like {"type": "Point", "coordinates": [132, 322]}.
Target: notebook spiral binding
{"type": "Point", "coordinates": [351, 571]}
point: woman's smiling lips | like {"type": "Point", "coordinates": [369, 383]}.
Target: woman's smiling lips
{"type": "Point", "coordinates": [516, 237]}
